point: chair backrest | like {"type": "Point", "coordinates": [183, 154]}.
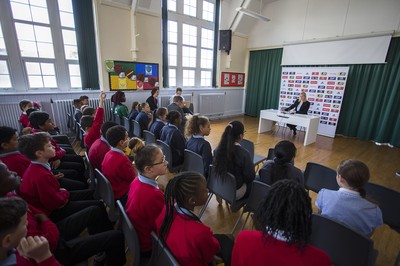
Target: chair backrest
{"type": "Point", "coordinates": [222, 186]}
{"type": "Point", "coordinates": [343, 245]}
{"type": "Point", "coordinates": [271, 154]}
{"type": "Point", "coordinates": [137, 131]}
{"type": "Point", "coordinates": [116, 119]}
{"type": "Point", "coordinates": [259, 191]}
{"type": "Point", "coordinates": [167, 152]}
{"type": "Point", "coordinates": [149, 137]}
{"type": "Point", "coordinates": [90, 169]}
{"type": "Point", "coordinates": [130, 234]}
{"type": "Point", "coordinates": [128, 124]}
{"type": "Point", "coordinates": [193, 162]}
{"type": "Point", "coordinates": [388, 201]}
{"type": "Point", "coordinates": [161, 255]}
{"type": "Point", "coordinates": [106, 194]}
{"type": "Point", "coordinates": [317, 176]}
{"type": "Point", "coordinates": [249, 146]}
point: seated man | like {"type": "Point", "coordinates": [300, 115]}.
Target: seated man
{"type": "Point", "coordinates": [177, 106]}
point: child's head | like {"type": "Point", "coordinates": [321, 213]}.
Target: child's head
{"type": "Point", "coordinates": [162, 113]}
{"type": "Point", "coordinates": [285, 210]}
{"type": "Point", "coordinates": [285, 151]}
{"type": "Point", "coordinates": [8, 139]}
{"type": "Point", "coordinates": [13, 223]}
{"type": "Point", "coordinates": [197, 125]}
{"type": "Point", "coordinates": [134, 145]}
{"type": "Point", "coordinates": [88, 111]}
{"type": "Point", "coordinates": [84, 99]}
{"type": "Point", "coordinates": [36, 146]}
{"type": "Point", "coordinates": [355, 174]}
{"type": "Point", "coordinates": [87, 122]}
{"type": "Point", "coordinates": [174, 118]}
{"type": "Point", "coordinates": [178, 91]}
{"type": "Point", "coordinates": [41, 120]}
{"type": "Point", "coordinates": [187, 190]}
{"type": "Point", "coordinates": [25, 105]}
{"type": "Point", "coordinates": [135, 106]}
{"type": "Point", "coordinates": [31, 110]}
{"type": "Point", "coordinates": [77, 103]}
{"type": "Point", "coordinates": [9, 181]}
{"type": "Point", "coordinates": [144, 107]}
{"type": "Point", "coordinates": [107, 125]}
{"type": "Point", "coordinates": [150, 161]}
{"type": "Point", "coordinates": [117, 137]}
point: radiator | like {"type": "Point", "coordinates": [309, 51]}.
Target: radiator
{"type": "Point", "coordinates": [9, 115]}
{"type": "Point", "coordinates": [165, 100]}
{"type": "Point", "coordinates": [212, 104]}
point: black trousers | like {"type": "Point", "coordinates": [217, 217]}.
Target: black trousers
{"type": "Point", "coordinates": [79, 200]}
{"type": "Point", "coordinates": [226, 244]}
{"type": "Point", "coordinates": [73, 249]}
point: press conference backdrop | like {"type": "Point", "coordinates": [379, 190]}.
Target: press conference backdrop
{"type": "Point", "coordinates": [324, 87]}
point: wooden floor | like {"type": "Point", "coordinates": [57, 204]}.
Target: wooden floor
{"type": "Point", "coordinates": [382, 161]}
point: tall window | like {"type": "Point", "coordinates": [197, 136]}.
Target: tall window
{"type": "Point", "coordinates": [190, 42]}
{"type": "Point", "coordinates": [40, 51]}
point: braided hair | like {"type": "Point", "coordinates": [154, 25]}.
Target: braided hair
{"type": "Point", "coordinates": [224, 153]}
{"type": "Point", "coordinates": [178, 190]}
{"type": "Point", "coordinates": [285, 151]}
{"type": "Point", "coordinates": [356, 174]}
{"type": "Point", "coordinates": [287, 210]}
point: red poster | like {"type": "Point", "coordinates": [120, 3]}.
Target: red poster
{"type": "Point", "coordinates": [230, 79]}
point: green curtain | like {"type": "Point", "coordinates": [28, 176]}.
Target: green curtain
{"type": "Point", "coordinates": [263, 82]}
{"type": "Point", "coordinates": [371, 104]}
{"type": "Point", "coordinates": [86, 40]}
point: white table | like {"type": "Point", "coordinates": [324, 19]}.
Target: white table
{"type": "Point", "coordinates": [310, 122]}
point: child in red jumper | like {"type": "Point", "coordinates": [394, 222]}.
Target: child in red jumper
{"type": "Point", "coordinates": [145, 199]}
{"type": "Point", "coordinates": [24, 105]}
{"type": "Point", "coordinates": [92, 126]}
{"type": "Point", "coordinates": [101, 146]}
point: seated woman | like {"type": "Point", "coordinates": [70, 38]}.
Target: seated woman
{"type": "Point", "coordinates": [230, 157]}
{"type": "Point", "coordinates": [300, 106]}
{"type": "Point", "coordinates": [348, 205]}
{"type": "Point", "coordinates": [119, 108]}
{"type": "Point", "coordinates": [283, 221]}
{"type": "Point", "coordinates": [281, 167]}
{"type": "Point", "coordinates": [190, 241]}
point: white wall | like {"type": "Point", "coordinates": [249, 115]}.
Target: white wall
{"type": "Point", "coordinates": [295, 20]}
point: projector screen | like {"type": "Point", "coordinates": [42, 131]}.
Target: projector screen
{"type": "Point", "coordinates": [369, 50]}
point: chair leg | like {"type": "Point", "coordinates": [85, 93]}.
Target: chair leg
{"type": "Point", "coordinates": [245, 221]}
{"type": "Point", "coordinates": [205, 205]}
{"type": "Point", "coordinates": [237, 222]}
{"type": "Point", "coordinates": [397, 262]}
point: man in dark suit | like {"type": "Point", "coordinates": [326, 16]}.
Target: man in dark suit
{"type": "Point", "coordinates": [177, 105]}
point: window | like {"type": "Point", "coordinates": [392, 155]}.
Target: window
{"type": "Point", "coordinates": [40, 28]}
{"type": "Point", "coordinates": [190, 42]}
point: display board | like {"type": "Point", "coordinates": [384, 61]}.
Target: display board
{"type": "Point", "coordinates": [324, 87]}
{"type": "Point", "coordinates": [124, 75]}
{"type": "Point", "coordinates": [230, 79]}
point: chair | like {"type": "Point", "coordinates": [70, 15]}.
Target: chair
{"type": "Point", "coordinates": [271, 154]}
{"type": "Point", "coordinates": [168, 156]}
{"type": "Point", "coordinates": [130, 234]}
{"type": "Point", "coordinates": [388, 201]}
{"type": "Point", "coordinates": [106, 194]}
{"type": "Point", "coordinates": [317, 176]}
{"type": "Point", "coordinates": [161, 255]}
{"type": "Point", "coordinates": [128, 124]}
{"type": "Point", "coordinates": [193, 162]}
{"type": "Point", "coordinates": [137, 131]}
{"type": "Point", "coordinates": [249, 146]}
{"type": "Point", "coordinates": [92, 177]}
{"type": "Point", "coordinates": [343, 245]}
{"type": "Point", "coordinates": [149, 137]}
{"type": "Point", "coordinates": [223, 187]}
{"type": "Point", "coordinates": [259, 191]}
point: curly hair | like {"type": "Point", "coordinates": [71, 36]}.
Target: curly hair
{"type": "Point", "coordinates": [285, 210]}
{"type": "Point", "coordinates": [178, 190]}
{"type": "Point", "coordinates": [356, 174]}
{"type": "Point", "coordinates": [193, 125]}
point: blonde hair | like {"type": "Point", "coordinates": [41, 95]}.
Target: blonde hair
{"type": "Point", "coordinates": [134, 145]}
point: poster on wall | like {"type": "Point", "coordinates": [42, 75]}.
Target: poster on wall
{"type": "Point", "coordinates": [124, 75]}
{"type": "Point", "coordinates": [324, 87]}
{"type": "Point", "coordinates": [230, 79]}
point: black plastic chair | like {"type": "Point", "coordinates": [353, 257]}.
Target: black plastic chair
{"type": "Point", "coordinates": [193, 162]}
{"type": "Point", "coordinates": [128, 124]}
{"type": "Point", "coordinates": [130, 234]}
{"type": "Point", "coordinates": [317, 176]}
{"type": "Point", "coordinates": [137, 131]}
{"type": "Point", "coordinates": [225, 188]}
{"type": "Point", "coordinates": [168, 156]}
{"type": "Point", "coordinates": [106, 195]}
{"type": "Point", "coordinates": [149, 137]}
{"type": "Point", "coordinates": [161, 255]}
{"type": "Point", "coordinates": [344, 246]}
{"type": "Point", "coordinates": [92, 177]}
{"type": "Point", "coordinates": [271, 154]}
{"type": "Point", "coordinates": [249, 146]}
{"type": "Point", "coordinates": [259, 191]}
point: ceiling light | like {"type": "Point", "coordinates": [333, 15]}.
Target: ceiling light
{"type": "Point", "coordinates": [252, 14]}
